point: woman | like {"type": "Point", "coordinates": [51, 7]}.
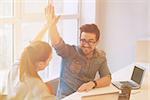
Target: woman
{"type": "Point", "coordinates": [30, 86]}
{"type": "Point", "coordinates": [24, 83]}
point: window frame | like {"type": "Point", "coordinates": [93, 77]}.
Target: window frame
{"type": "Point", "coordinates": [19, 17]}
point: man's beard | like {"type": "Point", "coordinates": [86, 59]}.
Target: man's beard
{"type": "Point", "coordinates": [87, 51]}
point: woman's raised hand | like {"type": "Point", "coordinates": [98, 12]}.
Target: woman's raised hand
{"type": "Point", "coordinates": [51, 18]}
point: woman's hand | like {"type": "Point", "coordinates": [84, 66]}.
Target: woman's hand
{"type": "Point", "coordinates": [51, 18]}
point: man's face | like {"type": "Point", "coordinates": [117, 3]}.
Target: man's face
{"type": "Point", "coordinates": [87, 42]}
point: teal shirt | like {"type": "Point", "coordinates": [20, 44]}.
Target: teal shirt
{"type": "Point", "coordinates": [76, 69]}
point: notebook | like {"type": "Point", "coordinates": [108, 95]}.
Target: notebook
{"type": "Point", "coordinates": [105, 96]}
{"type": "Point", "coordinates": [135, 81]}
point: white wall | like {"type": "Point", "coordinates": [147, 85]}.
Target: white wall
{"type": "Point", "coordinates": [143, 51]}
{"type": "Point", "coordinates": [148, 8]}
{"type": "Point", "coordinates": [122, 23]}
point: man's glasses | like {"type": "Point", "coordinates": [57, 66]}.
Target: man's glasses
{"type": "Point", "coordinates": [84, 41]}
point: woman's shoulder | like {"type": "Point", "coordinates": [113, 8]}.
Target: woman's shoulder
{"type": "Point", "coordinates": [32, 89]}
{"type": "Point", "coordinates": [38, 88]}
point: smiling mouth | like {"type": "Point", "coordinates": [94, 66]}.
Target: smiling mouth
{"type": "Point", "coordinates": [86, 47]}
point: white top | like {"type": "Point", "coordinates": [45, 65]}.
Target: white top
{"type": "Point", "coordinates": [30, 89]}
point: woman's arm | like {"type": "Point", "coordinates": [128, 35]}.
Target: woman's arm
{"type": "Point", "coordinates": [52, 20]}
{"type": "Point", "coordinates": [41, 34]}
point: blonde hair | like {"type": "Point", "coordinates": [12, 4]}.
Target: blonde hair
{"type": "Point", "coordinates": [35, 52]}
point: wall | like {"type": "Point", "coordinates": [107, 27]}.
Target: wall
{"type": "Point", "coordinates": [122, 23]}
{"type": "Point", "coordinates": [143, 51]}
{"type": "Point", "coordinates": [148, 17]}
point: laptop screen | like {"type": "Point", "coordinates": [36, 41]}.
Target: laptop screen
{"type": "Point", "coordinates": [137, 74]}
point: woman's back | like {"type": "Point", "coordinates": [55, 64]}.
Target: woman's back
{"type": "Point", "coordinates": [30, 89]}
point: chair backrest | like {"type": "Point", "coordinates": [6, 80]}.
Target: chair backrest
{"type": "Point", "coordinates": [3, 97]}
{"type": "Point", "coordinates": [54, 83]}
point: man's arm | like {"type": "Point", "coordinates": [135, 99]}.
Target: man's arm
{"type": "Point", "coordinates": [52, 20]}
{"type": "Point", "coordinates": [101, 82]}
{"type": "Point", "coordinates": [104, 81]}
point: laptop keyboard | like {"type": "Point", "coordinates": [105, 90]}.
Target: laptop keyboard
{"type": "Point", "coordinates": [128, 83]}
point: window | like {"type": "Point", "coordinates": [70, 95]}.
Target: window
{"type": "Point", "coordinates": [20, 20]}
{"type": "Point", "coordinates": [6, 33]}
{"type": "Point", "coordinates": [6, 8]}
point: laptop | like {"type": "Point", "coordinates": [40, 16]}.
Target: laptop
{"type": "Point", "coordinates": [135, 81]}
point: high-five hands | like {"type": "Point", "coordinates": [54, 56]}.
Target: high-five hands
{"type": "Point", "coordinates": [51, 18]}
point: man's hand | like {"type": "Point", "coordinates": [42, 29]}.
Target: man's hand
{"type": "Point", "coordinates": [86, 86]}
{"type": "Point", "coordinates": [51, 18]}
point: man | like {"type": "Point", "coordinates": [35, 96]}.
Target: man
{"type": "Point", "coordinates": [79, 63]}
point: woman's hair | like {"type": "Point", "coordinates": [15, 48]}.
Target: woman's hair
{"type": "Point", "coordinates": [91, 28]}
{"type": "Point", "coordinates": [35, 52]}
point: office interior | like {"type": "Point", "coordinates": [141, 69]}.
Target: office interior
{"type": "Point", "coordinates": [124, 27]}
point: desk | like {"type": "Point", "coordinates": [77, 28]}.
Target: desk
{"type": "Point", "coordinates": [122, 74]}
{"type": "Point", "coordinates": [96, 91]}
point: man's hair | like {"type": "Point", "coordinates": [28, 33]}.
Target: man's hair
{"type": "Point", "coordinates": [91, 28]}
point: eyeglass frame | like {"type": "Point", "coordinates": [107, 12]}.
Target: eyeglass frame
{"type": "Point", "coordinates": [90, 43]}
